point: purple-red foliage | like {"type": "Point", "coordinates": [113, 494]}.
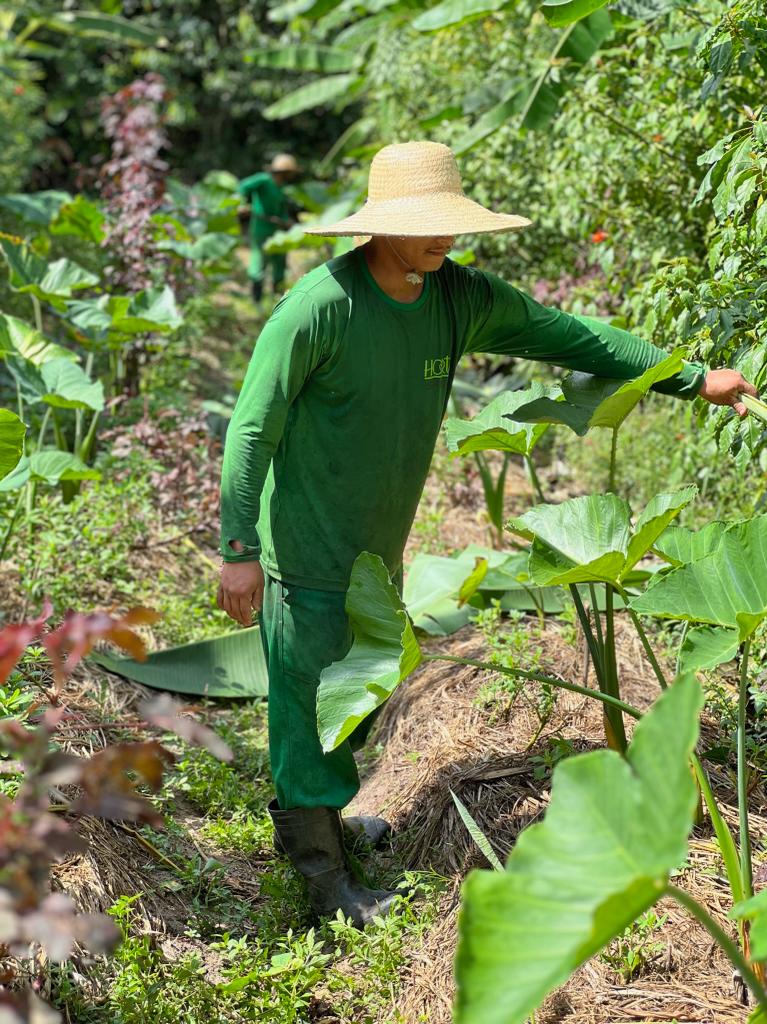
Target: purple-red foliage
{"type": "Point", "coordinates": [133, 179]}
{"type": "Point", "coordinates": [105, 785]}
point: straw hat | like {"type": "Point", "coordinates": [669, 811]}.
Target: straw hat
{"type": "Point", "coordinates": [283, 162]}
{"type": "Point", "coordinates": [415, 190]}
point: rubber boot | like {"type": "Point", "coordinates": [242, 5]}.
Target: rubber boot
{"type": "Point", "coordinates": [364, 827]}
{"type": "Point", "coordinates": [257, 290]}
{"type": "Point", "coordinates": [312, 838]}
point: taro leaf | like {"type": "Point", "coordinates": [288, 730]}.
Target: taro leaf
{"type": "Point", "coordinates": [68, 386]}
{"type": "Point", "coordinates": [725, 588]}
{"type": "Point", "coordinates": [49, 282]}
{"type": "Point", "coordinates": [494, 429]}
{"type": "Point", "coordinates": [614, 830]}
{"type": "Point", "coordinates": [50, 467]}
{"type": "Point", "coordinates": [707, 647]}
{"type": "Point", "coordinates": [35, 207]}
{"type": "Point", "coordinates": [594, 402]}
{"type": "Point", "coordinates": [679, 545]}
{"type": "Point", "coordinates": [754, 910]}
{"type": "Point", "coordinates": [385, 651]}
{"type": "Point", "coordinates": [121, 316]}
{"type": "Point", "coordinates": [590, 539]}
{"type": "Point", "coordinates": [213, 245]}
{"type": "Point", "coordinates": [18, 338]}
{"type": "Point", "coordinates": [81, 218]}
{"type": "Point", "coordinates": [432, 590]}
{"type": "Point", "coordinates": [12, 431]}
{"type": "Point", "coordinates": [559, 13]}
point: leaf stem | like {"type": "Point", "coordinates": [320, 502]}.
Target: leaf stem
{"type": "Point", "coordinates": [612, 683]}
{"type": "Point", "coordinates": [724, 836]}
{"type": "Point", "coordinates": [594, 648]}
{"type": "Point", "coordinates": [745, 837]}
{"type": "Point", "coordinates": [534, 478]}
{"type": "Point", "coordinates": [613, 459]}
{"type": "Point", "coordinates": [537, 677]}
{"type": "Point", "coordinates": [723, 939]}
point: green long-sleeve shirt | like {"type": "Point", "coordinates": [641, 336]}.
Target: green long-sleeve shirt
{"type": "Point", "coordinates": [267, 200]}
{"type": "Point", "coordinates": [334, 429]}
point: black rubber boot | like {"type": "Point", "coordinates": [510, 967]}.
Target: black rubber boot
{"type": "Point", "coordinates": [312, 838]}
{"type": "Point", "coordinates": [257, 290]}
{"type": "Point", "coordinates": [366, 826]}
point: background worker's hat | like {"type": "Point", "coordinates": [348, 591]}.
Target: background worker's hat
{"type": "Point", "coordinates": [415, 190]}
{"type": "Point", "coordinates": [283, 162]}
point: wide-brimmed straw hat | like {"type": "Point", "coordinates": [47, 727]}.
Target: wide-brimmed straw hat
{"type": "Point", "coordinates": [283, 162]}
{"type": "Point", "coordinates": [415, 190]}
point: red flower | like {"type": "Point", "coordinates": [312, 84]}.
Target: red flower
{"type": "Point", "coordinates": [599, 236]}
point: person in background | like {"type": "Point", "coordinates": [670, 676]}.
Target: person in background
{"type": "Point", "coordinates": [269, 212]}
{"type": "Point", "coordinates": [331, 442]}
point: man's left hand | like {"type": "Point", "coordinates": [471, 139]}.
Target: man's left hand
{"type": "Point", "coordinates": [724, 387]}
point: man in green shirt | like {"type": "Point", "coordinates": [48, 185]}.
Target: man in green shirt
{"type": "Point", "coordinates": [331, 441]}
{"type": "Point", "coordinates": [269, 212]}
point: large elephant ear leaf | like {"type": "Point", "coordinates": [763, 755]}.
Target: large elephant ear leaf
{"type": "Point", "coordinates": [681, 546]}
{"type": "Point", "coordinates": [707, 647]}
{"type": "Point", "coordinates": [594, 402]}
{"type": "Point", "coordinates": [18, 338]}
{"type": "Point", "coordinates": [12, 431]}
{"type": "Point", "coordinates": [725, 588]}
{"type": "Point", "coordinates": [658, 513]}
{"type": "Point", "coordinates": [384, 652]}
{"type": "Point", "coordinates": [50, 282]}
{"type": "Point", "coordinates": [613, 832]}
{"type": "Point", "coordinates": [68, 386]}
{"type": "Point", "coordinates": [581, 540]}
{"type": "Point", "coordinates": [495, 429]}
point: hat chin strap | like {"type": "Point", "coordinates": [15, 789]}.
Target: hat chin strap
{"type": "Point", "coordinates": [412, 277]}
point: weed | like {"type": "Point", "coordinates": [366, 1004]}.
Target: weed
{"type": "Point", "coordinates": [632, 952]}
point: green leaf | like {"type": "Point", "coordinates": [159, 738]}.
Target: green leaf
{"type": "Point", "coordinates": [476, 833]}
{"type": "Point", "coordinates": [495, 429]}
{"type": "Point", "coordinates": [594, 402]}
{"type": "Point", "coordinates": [726, 588]}
{"type": "Point", "coordinates": [679, 545]}
{"type": "Point", "coordinates": [49, 467]}
{"type": "Point", "coordinates": [303, 57]}
{"type": "Point", "coordinates": [80, 218]}
{"type": "Point", "coordinates": [12, 431]}
{"type": "Point", "coordinates": [35, 207]}
{"type": "Point", "coordinates": [559, 13]}
{"type": "Point", "coordinates": [120, 316]}
{"type": "Point", "coordinates": [708, 647]}
{"type": "Point", "coordinates": [18, 338]}
{"type": "Point", "coordinates": [644, 10]}
{"type": "Point", "coordinates": [432, 591]}
{"type": "Point", "coordinates": [69, 387]}
{"type": "Point", "coordinates": [454, 12]}
{"type": "Point", "coordinates": [613, 832]}
{"type": "Point", "coordinates": [384, 652]}
{"type": "Point", "coordinates": [213, 245]}
{"type": "Point", "coordinates": [319, 93]}
{"type": "Point", "coordinates": [104, 26]}
{"type": "Point", "coordinates": [49, 282]}
{"type": "Point", "coordinates": [590, 539]}
{"type": "Point", "coordinates": [754, 910]}
{"type": "Point", "coordinates": [492, 119]}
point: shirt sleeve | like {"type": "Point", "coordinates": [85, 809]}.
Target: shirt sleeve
{"type": "Point", "coordinates": [249, 188]}
{"type": "Point", "coordinates": [288, 350]}
{"type": "Point", "coordinates": [509, 322]}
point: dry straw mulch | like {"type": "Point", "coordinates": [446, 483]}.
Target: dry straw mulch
{"type": "Point", "coordinates": [437, 736]}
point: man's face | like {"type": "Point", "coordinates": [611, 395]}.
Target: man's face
{"type": "Point", "coordinates": [425, 254]}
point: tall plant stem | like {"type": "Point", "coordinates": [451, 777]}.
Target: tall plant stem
{"type": "Point", "coordinates": [43, 425]}
{"type": "Point", "coordinates": [594, 648]}
{"type": "Point", "coordinates": [604, 698]}
{"type": "Point", "coordinates": [724, 836]}
{"type": "Point", "coordinates": [534, 478]}
{"type": "Point", "coordinates": [12, 523]}
{"type": "Point", "coordinates": [38, 312]}
{"type": "Point", "coordinates": [611, 682]}
{"type": "Point", "coordinates": [745, 838]}
{"type": "Point", "coordinates": [659, 675]}
{"type": "Point", "coordinates": [613, 460]}
{"type": "Point", "coordinates": [597, 617]}
{"type": "Point", "coordinates": [720, 936]}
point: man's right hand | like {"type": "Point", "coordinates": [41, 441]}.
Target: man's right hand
{"type": "Point", "coordinates": [241, 590]}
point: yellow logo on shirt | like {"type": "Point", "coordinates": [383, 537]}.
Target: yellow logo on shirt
{"type": "Point", "coordinates": [435, 369]}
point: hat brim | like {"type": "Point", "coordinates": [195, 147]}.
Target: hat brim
{"type": "Point", "coordinates": [424, 216]}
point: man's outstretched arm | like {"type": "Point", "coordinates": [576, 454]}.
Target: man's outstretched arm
{"type": "Point", "coordinates": [513, 323]}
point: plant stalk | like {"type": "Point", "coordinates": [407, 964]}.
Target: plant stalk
{"type": "Point", "coordinates": [727, 846]}
{"type": "Point", "coordinates": [613, 460]}
{"type": "Point", "coordinates": [613, 718]}
{"type": "Point", "coordinates": [534, 478]}
{"type": "Point", "coordinates": [720, 936]}
{"type": "Point", "coordinates": [12, 523]}
{"type": "Point", "coordinates": [594, 649]}
{"type": "Point", "coordinates": [38, 312]}
{"type": "Point", "coordinates": [605, 698]}
{"type": "Point", "coordinates": [745, 837]}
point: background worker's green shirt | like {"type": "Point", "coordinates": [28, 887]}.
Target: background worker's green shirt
{"type": "Point", "coordinates": [343, 400]}
{"type": "Point", "coordinates": [266, 199]}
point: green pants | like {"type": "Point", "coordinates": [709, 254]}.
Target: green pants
{"type": "Point", "coordinates": [259, 261]}
{"type": "Point", "coordinates": [303, 631]}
